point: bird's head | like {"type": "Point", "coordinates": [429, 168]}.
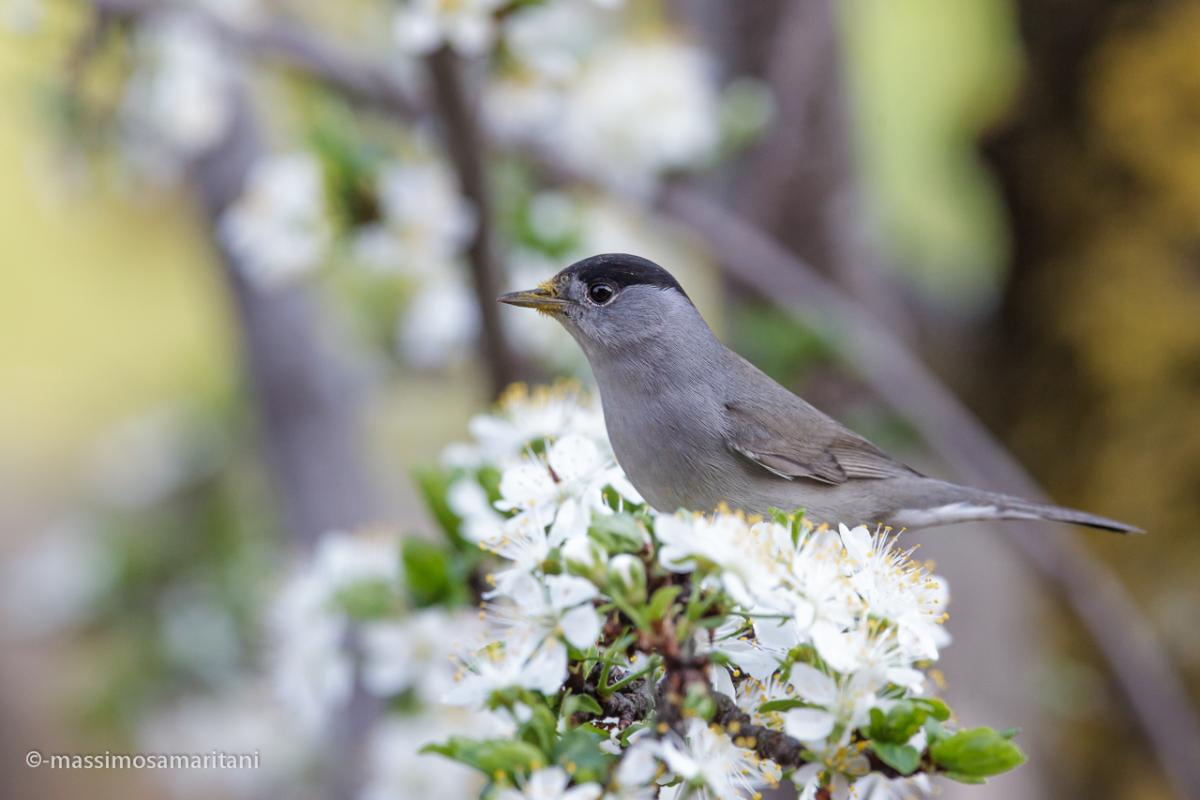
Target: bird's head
{"type": "Point", "coordinates": [611, 301]}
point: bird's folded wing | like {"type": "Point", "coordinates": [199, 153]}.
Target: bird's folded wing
{"type": "Point", "coordinates": [803, 443]}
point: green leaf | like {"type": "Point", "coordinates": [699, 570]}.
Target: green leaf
{"type": "Point", "coordinates": [935, 730]}
{"type": "Point", "coordinates": [781, 705]}
{"type": "Point", "coordinates": [661, 600]}
{"type": "Point", "coordinates": [976, 753]}
{"type": "Point", "coordinates": [901, 757]}
{"type": "Point", "coordinates": [367, 600]}
{"type": "Point", "coordinates": [433, 575]}
{"type": "Point", "coordinates": [617, 533]}
{"type": "Point", "coordinates": [540, 729]}
{"type": "Point", "coordinates": [489, 478]}
{"type": "Point", "coordinates": [961, 778]}
{"type": "Point", "coordinates": [579, 752]}
{"type": "Point", "coordinates": [936, 708]}
{"type": "Point", "coordinates": [433, 485]}
{"type": "Point", "coordinates": [899, 724]}
{"type": "Point", "coordinates": [491, 756]}
{"type": "Point", "coordinates": [580, 704]}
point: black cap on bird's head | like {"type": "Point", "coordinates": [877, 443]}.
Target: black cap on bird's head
{"type": "Point", "coordinates": [621, 270]}
{"type": "Point", "coordinates": [611, 301]}
{"type": "Point", "coordinates": [602, 278]}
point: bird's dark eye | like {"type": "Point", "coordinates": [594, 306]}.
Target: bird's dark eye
{"type": "Point", "coordinates": [601, 292]}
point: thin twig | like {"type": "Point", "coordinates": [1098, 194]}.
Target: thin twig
{"type": "Point", "coordinates": [465, 145]}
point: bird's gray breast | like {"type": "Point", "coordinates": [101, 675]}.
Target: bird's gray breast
{"type": "Point", "coordinates": [669, 440]}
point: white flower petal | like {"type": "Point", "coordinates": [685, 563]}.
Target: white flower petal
{"type": "Point", "coordinates": [808, 724]}
{"type": "Point", "coordinates": [813, 685]}
{"type": "Point", "coordinates": [581, 626]}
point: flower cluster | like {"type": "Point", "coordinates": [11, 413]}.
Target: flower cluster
{"type": "Point", "coordinates": [588, 79]}
{"type": "Point", "coordinates": [636, 654]}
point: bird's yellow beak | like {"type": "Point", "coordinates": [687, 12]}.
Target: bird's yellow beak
{"type": "Point", "coordinates": [544, 298]}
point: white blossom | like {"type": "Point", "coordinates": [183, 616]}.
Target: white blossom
{"type": "Point", "coordinates": [177, 102]}
{"type": "Point", "coordinates": [526, 416]}
{"type": "Point", "coordinates": [846, 616]}
{"type": "Point", "coordinates": [516, 663]}
{"type": "Point", "coordinates": [278, 228]}
{"type": "Point", "coordinates": [416, 652]}
{"type": "Point", "coordinates": [311, 667]}
{"type": "Point", "coordinates": [240, 717]}
{"type": "Point", "coordinates": [550, 784]}
{"type": "Point", "coordinates": [641, 106]}
{"type": "Point", "coordinates": [426, 222]}
{"type": "Point", "coordinates": [397, 770]}
{"type": "Point", "coordinates": [566, 489]}
{"type": "Point", "coordinates": [440, 323]}
{"type": "Point", "coordinates": [557, 605]}
{"type": "Point", "coordinates": [708, 760]}
{"type": "Point", "coordinates": [55, 579]}
{"type": "Point", "coordinates": [421, 26]}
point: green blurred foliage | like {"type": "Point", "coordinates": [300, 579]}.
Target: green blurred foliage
{"type": "Point", "coordinates": [926, 77]}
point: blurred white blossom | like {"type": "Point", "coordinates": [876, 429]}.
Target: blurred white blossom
{"type": "Point", "coordinates": [553, 39]}
{"type": "Point", "coordinates": [396, 770]}
{"type": "Point", "coordinates": [312, 670]}
{"type": "Point", "coordinates": [278, 228]}
{"type": "Point", "coordinates": [425, 222]}
{"type": "Point", "coordinates": [641, 107]}
{"type": "Point", "coordinates": [177, 101]}
{"type": "Point", "coordinates": [440, 323]}
{"type": "Point", "coordinates": [551, 784]}
{"type": "Point", "coordinates": [710, 764]}
{"type": "Point", "coordinates": [52, 582]}
{"type": "Point", "coordinates": [421, 26]}
{"type": "Point", "coordinates": [416, 652]}
{"type": "Point", "coordinates": [242, 717]}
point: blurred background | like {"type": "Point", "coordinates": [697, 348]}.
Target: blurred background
{"type": "Point", "coordinates": [248, 250]}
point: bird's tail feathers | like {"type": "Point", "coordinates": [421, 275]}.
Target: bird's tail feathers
{"type": "Point", "coordinates": [983, 506]}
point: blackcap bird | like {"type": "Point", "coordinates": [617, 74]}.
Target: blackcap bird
{"type": "Point", "coordinates": [695, 425]}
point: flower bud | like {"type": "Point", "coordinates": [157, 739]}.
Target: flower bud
{"type": "Point", "coordinates": [584, 556]}
{"type": "Point", "coordinates": [627, 577]}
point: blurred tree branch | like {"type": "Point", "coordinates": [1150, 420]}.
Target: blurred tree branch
{"type": "Point", "coordinates": [467, 149]}
{"type": "Point", "coordinates": [307, 404]}
{"type": "Point", "coordinates": [1158, 700]}
{"type": "Point", "coordinates": [801, 184]}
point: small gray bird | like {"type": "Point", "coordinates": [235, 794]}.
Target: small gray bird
{"type": "Point", "coordinates": [694, 425]}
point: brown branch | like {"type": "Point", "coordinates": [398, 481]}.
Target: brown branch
{"type": "Point", "coordinates": [468, 153]}
{"type": "Point", "coordinates": [785, 751]}
{"type": "Point", "coordinates": [305, 399]}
